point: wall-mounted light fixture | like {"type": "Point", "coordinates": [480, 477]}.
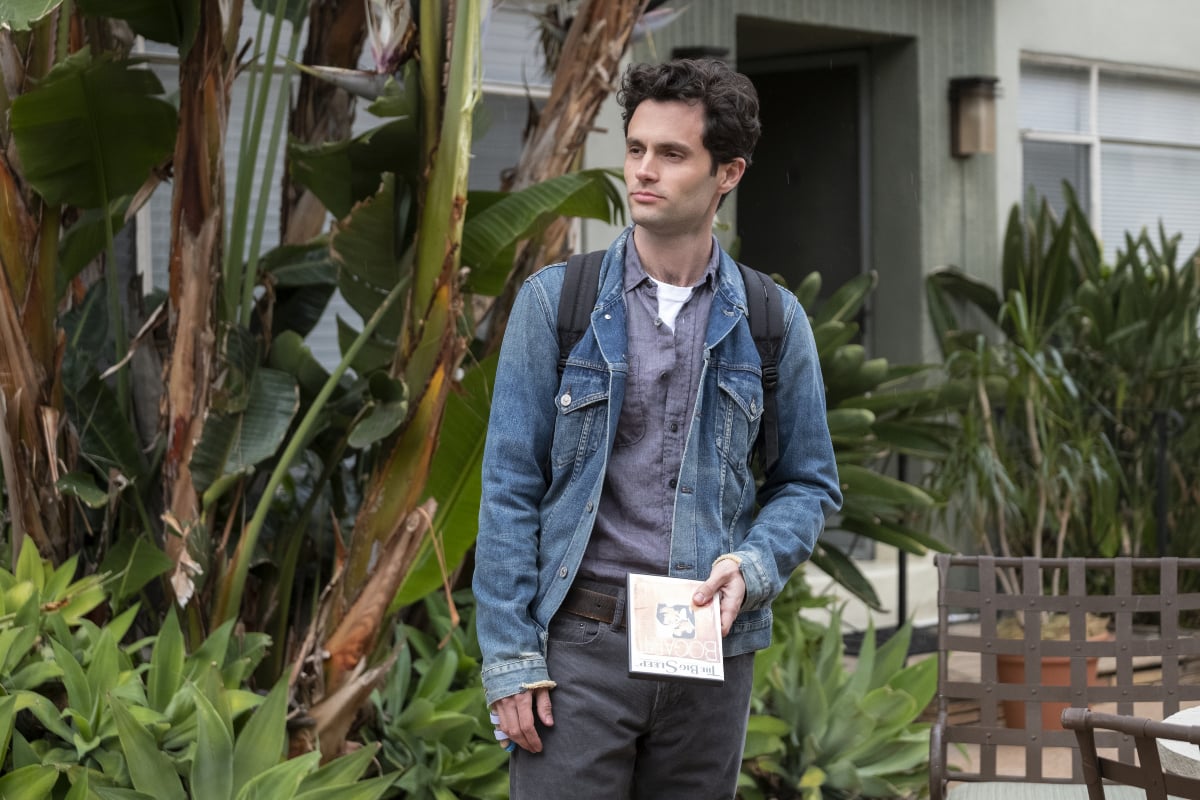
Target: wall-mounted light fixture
{"type": "Point", "coordinates": [972, 115]}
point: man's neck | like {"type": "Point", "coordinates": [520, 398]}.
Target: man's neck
{"type": "Point", "coordinates": [679, 261]}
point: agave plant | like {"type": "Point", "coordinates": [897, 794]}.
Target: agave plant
{"type": "Point", "coordinates": [819, 730]}
{"type": "Point", "coordinates": [85, 715]}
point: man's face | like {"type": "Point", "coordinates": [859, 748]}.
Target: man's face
{"type": "Point", "coordinates": [668, 171]}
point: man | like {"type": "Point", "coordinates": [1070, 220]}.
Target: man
{"type": "Point", "coordinates": [637, 460]}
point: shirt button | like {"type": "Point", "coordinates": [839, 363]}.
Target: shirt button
{"type": "Point", "coordinates": [662, 376]}
{"type": "Point", "coordinates": [674, 427]}
{"type": "Point", "coordinates": [672, 483]}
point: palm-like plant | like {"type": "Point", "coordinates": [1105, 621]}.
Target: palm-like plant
{"type": "Point", "coordinates": [1076, 365]}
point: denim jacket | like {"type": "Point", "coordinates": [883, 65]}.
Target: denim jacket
{"type": "Point", "coordinates": [547, 449]}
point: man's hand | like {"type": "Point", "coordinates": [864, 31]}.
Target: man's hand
{"type": "Point", "coordinates": [726, 582]}
{"type": "Point", "coordinates": [516, 717]}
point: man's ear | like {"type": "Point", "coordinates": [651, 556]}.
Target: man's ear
{"type": "Point", "coordinates": [730, 173]}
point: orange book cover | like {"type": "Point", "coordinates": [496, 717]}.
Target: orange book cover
{"type": "Point", "coordinates": [670, 637]}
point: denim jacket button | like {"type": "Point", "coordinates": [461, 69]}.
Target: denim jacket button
{"type": "Point", "coordinates": [562, 572]}
{"type": "Point", "coordinates": [566, 399]}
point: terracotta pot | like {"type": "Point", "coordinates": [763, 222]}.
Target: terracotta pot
{"type": "Point", "coordinates": [1056, 671]}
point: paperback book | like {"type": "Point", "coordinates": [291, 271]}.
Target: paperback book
{"type": "Point", "coordinates": [671, 638]}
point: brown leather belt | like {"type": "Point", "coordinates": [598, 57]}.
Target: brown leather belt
{"type": "Point", "coordinates": [591, 604]}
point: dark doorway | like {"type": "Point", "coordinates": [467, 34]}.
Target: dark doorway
{"type": "Point", "coordinates": [801, 204]}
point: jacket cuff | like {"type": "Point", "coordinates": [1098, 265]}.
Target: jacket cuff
{"type": "Point", "coordinates": [758, 582]}
{"type": "Point", "coordinates": [513, 677]}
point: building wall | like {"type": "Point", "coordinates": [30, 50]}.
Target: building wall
{"type": "Point", "coordinates": [1156, 34]}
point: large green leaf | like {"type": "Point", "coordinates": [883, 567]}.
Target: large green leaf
{"type": "Point", "coordinates": [304, 277]}
{"type": "Point", "coordinates": [366, 248]}
{"type": "Point", "coordinates": [166, 664]}
{"type": "Point", "coordinates": [490, 235]}
{"type": "Point", "coordinates": [342, 174]}
{"type": "Point", "coordinates": [233, 444]}
{"type": "Point", "coordinates": [371, 789]}
{"type": "Point", "coordinates": [107, 438]}
{"type": "Point", "coordinates": [150, 769]}
{"type": "Point", "coordinates": [838, 566]}
{"type": "Point", "coordinates": [340, 771]}
{"type": "Point", "coordinates": [18, 14]}
{"type": "Point", "coordinates": [31, 782]}
{"type": "Point", "coordinates": [8, 716]}
{"type": "Point", "coordinates": [211, 776]}
{"type": "Point", "coordinates": [454, 481]}
{"type": "Point", "coordinates": [279, 782]}
{"type": "Point", "coordinates": [74, 132]}
{"type": "Point", "coordinates": [845, 303]}
{"type": "Point", "coordinates": [262, 742]}
{"type": "Point", "coordinates": [134, 561]}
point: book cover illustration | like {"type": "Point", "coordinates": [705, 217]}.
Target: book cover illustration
{"type": "Point", "coordinates": [669, 636]}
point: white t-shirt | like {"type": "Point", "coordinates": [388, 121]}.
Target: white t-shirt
{"type": "Point", "coordinates": [670, 300]}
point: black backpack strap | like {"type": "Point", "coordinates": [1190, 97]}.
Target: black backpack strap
{"type": "Point", "coordinates": [765, 310]}
{"type": "Point", "coordinates": [580, 285]}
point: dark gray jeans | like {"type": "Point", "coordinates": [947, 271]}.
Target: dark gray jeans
{"type": "Point", "coordinates": [627, 738]}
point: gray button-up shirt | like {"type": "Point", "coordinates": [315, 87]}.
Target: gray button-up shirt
{"type": "Point", "coordinates": [633, 524]}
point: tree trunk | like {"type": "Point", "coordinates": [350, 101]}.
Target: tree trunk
{"type": "Point", "coordinates": [587, 74]}
{"type": "Point", "coordinates": [30, 345]}
{"type": "Point", "coordinates": [196, 224]}
{"type": "Point", "coordinates": [322, 112]}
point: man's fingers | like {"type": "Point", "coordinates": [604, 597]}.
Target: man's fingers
{"type": "Point", "coordinates": [517, 719]}
{"type": "Point", "coordinates": [541, 698]}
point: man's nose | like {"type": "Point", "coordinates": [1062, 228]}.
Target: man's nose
{"type": "Point", "coordinates": [646, 170]}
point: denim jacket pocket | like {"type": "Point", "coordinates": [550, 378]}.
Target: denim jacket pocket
{"type": "Point", "coordinates": [740, 407]}
{"type": "Point", "coordinates": [582, 404]}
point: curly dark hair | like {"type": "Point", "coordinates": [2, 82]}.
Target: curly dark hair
{"type": "Point", "coordinates": [731, 126]}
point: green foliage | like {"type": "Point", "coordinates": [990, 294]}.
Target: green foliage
{"type": "Point", "coordinates": [819, 730]}
{"type": "Point", "coordinates": [431, 716]}
{"type": "Point", "coordinates": [82, 715]}
{"type": "Point", "coordinates": [1071, 376]}
{"type": "Point", "coordinates": [877, 412]}
{"type": "Point", "coordinates": [74, 136]}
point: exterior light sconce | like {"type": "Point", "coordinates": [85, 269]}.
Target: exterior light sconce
{"type": "Point", "coordinates": [972, 115]}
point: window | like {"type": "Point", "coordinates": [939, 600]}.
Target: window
{"type": "Point", "coordinates": [1128, 142]}
{"type": "Point", "coordinates": [512, 73]}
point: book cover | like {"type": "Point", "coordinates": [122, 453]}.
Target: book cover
{"type": "Point", "coordinates": [671, 638]}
